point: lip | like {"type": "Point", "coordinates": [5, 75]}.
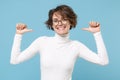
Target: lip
{"type": "Point", "coordinates": [60, 27]}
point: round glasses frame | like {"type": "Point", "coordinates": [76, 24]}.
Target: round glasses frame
{"type": "Point", "coordinates": [63, 21]}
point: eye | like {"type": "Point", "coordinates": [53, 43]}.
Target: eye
{"type": "Point", "coordinates": [55, 20]}
{"type": "Point", "coordinates": [65, 19]}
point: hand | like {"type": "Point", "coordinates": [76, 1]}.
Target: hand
{"type": "Point", "coordinates": [93, 27]}
{"type": "Point", "coordinates": [22, 28]}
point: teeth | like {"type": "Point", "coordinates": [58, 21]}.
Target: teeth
{"type": "Point", "coordinates": [61, 28]}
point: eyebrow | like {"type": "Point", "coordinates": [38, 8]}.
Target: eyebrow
{"type": "Point", "coordinates": [57, 18]}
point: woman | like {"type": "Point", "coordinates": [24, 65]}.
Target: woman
{"type": "Point", "coordinates": [58, 54]}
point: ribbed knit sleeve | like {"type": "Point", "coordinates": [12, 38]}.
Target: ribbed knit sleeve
{"type": "Point", "coordinates": [100, 57]}
{"type": "Point", "coordinates": [17, 55]}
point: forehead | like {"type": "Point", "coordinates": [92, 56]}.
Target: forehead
{"type": "Point", "coordinates": [59, 15]}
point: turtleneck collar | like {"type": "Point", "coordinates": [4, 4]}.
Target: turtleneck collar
{"type": "Point", "coordinates": [61, 38]}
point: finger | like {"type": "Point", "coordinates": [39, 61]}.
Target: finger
{"type": "Point", "coordinates": [86, 29]}
{"type": "Point", "coordinates": [28, 30]}
{"type": "Point", "coordinates": [17, 27]}
{"type": "Point", "coordinates": [24, 27]}
{"type": "Point", "coordinates": [91, 22]}
{"type": "Point", "coordinates": [94, 24]}
{"type": "Point", "coordinates": [98, 24]}
{"type": "Point", "coordinates": [20, 26]}
{"type": "Point", "coordinates": [24, 31]}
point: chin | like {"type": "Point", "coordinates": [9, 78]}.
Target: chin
{"type": "Point", "coordinates": [63, 33]}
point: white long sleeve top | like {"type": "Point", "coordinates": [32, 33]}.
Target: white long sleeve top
{"type": "Point", "coordinates": [58, 54]}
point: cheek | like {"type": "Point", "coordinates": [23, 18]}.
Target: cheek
{"type": "Point", "coordinates": [68, 26]}
{"type": "Point", "coordinates": [53, 26]}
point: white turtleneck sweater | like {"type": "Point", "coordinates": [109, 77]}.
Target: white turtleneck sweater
{"type": "Point", "coordinates": [58, 54]}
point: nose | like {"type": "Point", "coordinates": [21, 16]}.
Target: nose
{"type": "Point", "coordinates": [59, 23]}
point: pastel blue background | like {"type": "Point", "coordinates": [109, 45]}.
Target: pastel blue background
{"type": "Point", "coordinates": [35, 12]}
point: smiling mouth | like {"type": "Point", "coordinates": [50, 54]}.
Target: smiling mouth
{"type": "Point", "coordinates": [61, 27]}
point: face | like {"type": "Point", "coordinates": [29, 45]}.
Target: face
{"type": "Point", "coordinates": [60, 25]}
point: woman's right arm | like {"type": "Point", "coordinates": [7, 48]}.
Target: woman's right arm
{"type": "Point", "coordinates": [17, 55]}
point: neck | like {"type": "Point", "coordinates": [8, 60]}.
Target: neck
{"type": "Point", "coordinates": [62, 38]}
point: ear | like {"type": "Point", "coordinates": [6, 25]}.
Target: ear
{"type": "Point", "coordinates": [51, 28]}
{"type": "Point", "coordinates": [70, 27]}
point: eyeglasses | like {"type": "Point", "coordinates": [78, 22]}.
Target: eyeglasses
{"type": "Point", "coordinates": [63, 21]}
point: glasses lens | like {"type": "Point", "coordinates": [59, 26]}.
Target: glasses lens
{"type": "Point", "coordinates": [63, 21]}
{"type": "Point", "coordinates": [55, 22]}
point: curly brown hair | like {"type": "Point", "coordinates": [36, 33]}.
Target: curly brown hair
{"type": "Point", "coordinates": [66, 12]}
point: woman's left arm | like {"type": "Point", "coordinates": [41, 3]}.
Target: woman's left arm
{"type": "Point", "coordinates": [101, 57]}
